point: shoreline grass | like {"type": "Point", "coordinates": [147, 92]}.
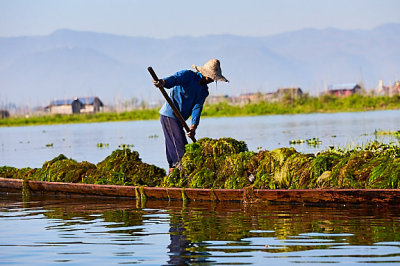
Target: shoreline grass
{"type": "Point", "coordinates": [302, 105]}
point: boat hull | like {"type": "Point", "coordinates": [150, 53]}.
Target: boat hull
{"type": "Point", "coordinates": [247, 195]}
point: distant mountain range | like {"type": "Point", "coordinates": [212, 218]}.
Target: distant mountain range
{"type": "Point", "coordinates": [35, 70]}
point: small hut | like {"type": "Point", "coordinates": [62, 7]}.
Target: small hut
{"type": "Point", "coordinates": [4, 114]}
{"type": "Point", "coordinates": [343, 90]}
{"type": "Point", "coordinates": [91, 104]}
{"type": "Point", "coordinates": [66, 106]}
{"type": "Point", "coordinates": [293, 93]}
{"type": "Point", "coordinates": [75, 106]}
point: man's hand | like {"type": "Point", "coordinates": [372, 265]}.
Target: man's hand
{"type": "Point", "coordinates": [159, 83]}
{"type": "Point", "coordinates": [192, 131]}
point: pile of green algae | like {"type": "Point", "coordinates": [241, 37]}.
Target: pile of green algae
{"type": "Point", "coordinates": [227, 163]}
{"type": "Point", "coordinates": [122, 167]}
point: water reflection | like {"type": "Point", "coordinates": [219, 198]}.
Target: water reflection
{"type": "Point", "coordinates": [198, 233]}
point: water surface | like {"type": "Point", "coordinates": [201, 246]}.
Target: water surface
{"type": "Point", "coordinates": [101, 231]}
{"type": "Point", "coordinates": [32, 145]}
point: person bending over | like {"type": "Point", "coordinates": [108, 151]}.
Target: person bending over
{"type": "Point", "coordinates": [188, 92]}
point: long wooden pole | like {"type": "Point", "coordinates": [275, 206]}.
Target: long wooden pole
{"type": "Point", "coordinates": [168, 99]}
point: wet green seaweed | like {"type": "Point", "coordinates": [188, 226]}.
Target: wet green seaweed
{"type": "Point", "coordinates": [26, 191]}
{"type": "Point", "coordinates": [62, 169]}
{"type": "Point", "coordinates": [227, 163]}
{"type": "Point", "coordinates": [206, 161]}
{"type": "Point", "coordinates": [122, 167]}
{"type": "Point", "coordinates": [12, 172]}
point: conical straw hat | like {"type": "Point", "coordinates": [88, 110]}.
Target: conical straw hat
{"type": "Point", "coordinates": [211, 69]}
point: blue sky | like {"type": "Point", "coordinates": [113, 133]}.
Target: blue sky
{"type": "Point", "coordinates": [166, 18]}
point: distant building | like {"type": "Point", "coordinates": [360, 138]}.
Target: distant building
{"type": "Point", "coordinates": [280, 93]}
{"type": "Point", "coordinates": [389, 90]}
{"type": "Point", "coordinates": [75, 106]}
{"type": "Point", "coordinates": [343, 90]}
{"type": "Point", "coordinates": [66, 106]}
{"type": "Point", "coordinates": [4, 114]}
{"type": "Point", "coordinates": [248, 98]}
{"type": "Point", "coordinates": [396, 88]}
{"type": "Point", "coordinates": [383, 89]}
{"type": "Point", "coordinates": [213, 99]}
{"type": "Point", "coordinates": [255, 97]}
{"type": "Point", "coordinates": [292, 92]}
{"type": "Point", "coordinates": [91, 104]}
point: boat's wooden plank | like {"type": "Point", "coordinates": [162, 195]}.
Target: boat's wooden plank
{"type": "Point", "coordinates": [10, 184]}
{"type": "Point", "coordinates": [74, 188]}
{"type": "Point", "coordinates": [85, 189]}
{"type": "Point", "coordinates": [357, 196]}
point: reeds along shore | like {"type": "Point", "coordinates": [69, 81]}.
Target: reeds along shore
{"type": "Point", "coordinates": [287, 105]}
{"type": "Point", "coordinates": [227, 163]}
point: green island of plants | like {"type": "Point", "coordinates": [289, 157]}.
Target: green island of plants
{"type": "Point", "coordinates": [227, 163]}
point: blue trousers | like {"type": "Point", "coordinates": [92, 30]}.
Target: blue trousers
{"type": "Point", "coordinates": [175, 140]}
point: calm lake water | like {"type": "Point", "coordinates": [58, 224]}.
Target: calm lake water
{"type": "Point", "coordinates": [33, 145]}
{"type": "Point", "coordinates": [100, 231]}
{"type": "Point", "coordinates": [94, 231]}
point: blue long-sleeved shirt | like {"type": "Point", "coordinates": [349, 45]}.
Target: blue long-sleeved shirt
{"type": "Point", "coordinates": [187, 95]}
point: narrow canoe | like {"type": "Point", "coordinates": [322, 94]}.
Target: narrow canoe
{"type": "Point", "coordinates": [247, 195]}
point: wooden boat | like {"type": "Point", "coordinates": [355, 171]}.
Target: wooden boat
{"type": "Point", "coordinates": [247, 195]}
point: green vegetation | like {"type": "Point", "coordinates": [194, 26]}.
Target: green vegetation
{"type": "Point", "coordinates": [122, 167]}
{"type": "Point", "coordinates": [102, 145]}
{"type": "Point", "coordinates": [226, 163]}
{"type": "Point", "coordinates": [314, 142]}
{"type": "Point", "coordinates": [383, 133]}
{"type": "Point", "coordinates": [304, 104]}
{"type": "Point", "coordinates": [145, 114]}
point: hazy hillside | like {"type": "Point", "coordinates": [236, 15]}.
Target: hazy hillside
{"type": "Point", "coordinates": [35, 70]}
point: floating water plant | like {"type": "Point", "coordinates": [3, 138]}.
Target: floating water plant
{"type": "Point", "coordinates": [102, 145]}
{"type": "Point", "coordinates": [387, 132]}
{"type": "Point", "coordinates": [125, 146]}
{"type": "Point", "coordinates": [313, 142]}
{"type": "Point", "coordinates": [296, 141]}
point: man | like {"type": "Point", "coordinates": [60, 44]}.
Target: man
{"type": "Point", "coordinates": [188, 93]}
